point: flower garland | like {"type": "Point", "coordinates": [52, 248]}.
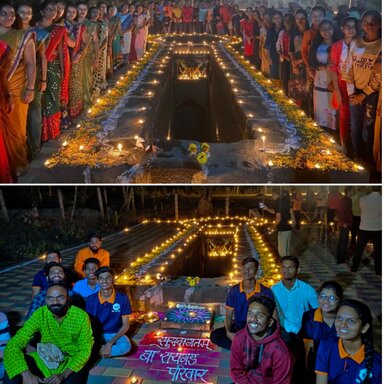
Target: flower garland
{"type": "Point", "coordinates": [318, 150]}
{"type": "Point", "coordinates": [88, 144]}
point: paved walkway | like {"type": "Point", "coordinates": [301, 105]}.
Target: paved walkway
{"type": "Point", "coordinates": [149, 361]}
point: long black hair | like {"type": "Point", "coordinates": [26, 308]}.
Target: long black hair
{"type": "Point", "coordinates": [312, 57]}
{"type": "Point", "coordinates": [365, 316]}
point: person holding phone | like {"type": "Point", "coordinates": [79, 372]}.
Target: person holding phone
{"type": "Point", "coordinates": [282, 211]}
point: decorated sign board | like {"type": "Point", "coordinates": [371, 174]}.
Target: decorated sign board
{"type": "Point", "coordinates": [174, 358]}
{"type": "Point", "coordinates": [187, 316]}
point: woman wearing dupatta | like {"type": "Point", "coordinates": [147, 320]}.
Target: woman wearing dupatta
{"type": "Point", "coordinates": [76, 43]}
{"type": "Point", "coordinates": [57, 71]}
{"type": "Point", "coordinates": [34, 118]}
{"type": "Point", "coordinates": [114, 39]}
{"type": "Point", "coordinates": [247, 27]}
{"type": "Point", "coordinates": [5, 103]}
{"type": "Point", "coordinates": [21, 83]}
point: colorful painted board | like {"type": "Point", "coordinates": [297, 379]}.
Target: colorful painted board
{"type": "Point", "coordinates": [187, 316]}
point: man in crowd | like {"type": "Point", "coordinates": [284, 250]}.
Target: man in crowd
{"type": "Point", "coordinates": [237, 303]}
{"type": "Point", "coordinates": [344, 214]}
{"type": "Point", "coordinates": [112, 310]}
{"type": "Point", "coordinates": [89, 285]}
{"type": "Point", "coordinates": [370, 229]}
{"type": "Point", "coordinates": [281, 208]}
{"type": "Point", "coordinates": [293, 296]}
{"type": "Point", "coordinates": [258, 352]}
{"type": "Point", "coordinates": [40, 281]}
{"type": "Point", "coordinates": [66, 343]}
{"type": "Point", "coordinates": [56, 274]}
{"type": "Point", "coordinates": [95, 250]}
{"type": "Point", "coordinates": [4, 337]}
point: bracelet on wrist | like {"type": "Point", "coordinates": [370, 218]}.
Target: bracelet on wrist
{"type": "Point", "coordinates": [43, 81]}
{"type": "Point", "coordinates": [29, 90]}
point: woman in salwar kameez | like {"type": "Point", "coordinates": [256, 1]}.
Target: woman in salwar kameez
{"type": "Point", "coordinates": [76, 43]}
{"type": "Point", "coordinates": [21, 83]}
{"type": "Point", "coordinates": [114, 38]}
{"type": "Point", "coordinates": [57, 71]}
{"type": "Point", "coordinates": [141, 29]}
{"type": "Point", "coordinates": [247, 29]}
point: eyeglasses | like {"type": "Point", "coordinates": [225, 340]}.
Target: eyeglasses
{"type": "Point", "coordinates": [330, 298]}
{"type": "Point", "coordinates": [350, 321]}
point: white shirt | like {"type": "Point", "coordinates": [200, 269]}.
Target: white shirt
{"type": "Point", "coordinates": [370, 206]}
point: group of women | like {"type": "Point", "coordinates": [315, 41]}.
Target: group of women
{"type": "Point", "coordinates": [54, 63]}
{"type": "Point", "coordinates": [339, 328]}
{"type": "Point", "coordinates": [331, 68]}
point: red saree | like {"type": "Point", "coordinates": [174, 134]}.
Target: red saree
{"type": "Point", "coordinates": [57, 82]}
{"type": "Point", "coordinates": [5, 169]}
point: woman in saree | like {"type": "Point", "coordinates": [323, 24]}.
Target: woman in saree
{"type": "Point", "coordinates": [76, 43]}
{"type": "Point", "coordinates": [114, 38]}
{"type": "Point", "coordinates": [34, 118]}
{"type": "Point", "coordinates": [266, 22]}
{"type": "Point", "coordinates": [59, 19]}
{"type": "Point", "coordinates": [90, 58]}
{"type": "Point", "coordinates": [100, 75]}
{"type": "Point", "coordinates": [57, 71]}
{"type": "Point", "coordinates": [21, 83]}
{"type": "Point", "coordinates": [132, 57]}
{"type": "Point", "coordinates": [141, 32]}
{"type": "Point", "coordinates": [6, 107]}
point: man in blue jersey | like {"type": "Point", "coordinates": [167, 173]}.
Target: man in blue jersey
{"type": "Point", "coordinates": [236, 304]}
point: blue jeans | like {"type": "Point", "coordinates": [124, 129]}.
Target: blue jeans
{"type": "Point", "coordinates": [362, 126]}
{"type": "Point", "coordinates": [121, 347]}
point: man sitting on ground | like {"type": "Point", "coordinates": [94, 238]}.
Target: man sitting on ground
{"type": "Point", "coordinates": [40, 281]}
{"type": "Point", "coordinates": [89, 285]}
{"type": "Point", "coordinates": [95, 250]}
{"type": "Point", "coordinates": [55, 273]}
{"type": "Point", "coordinates": [237, 303]}
{"type": "Point", "coordinates": [258, 352]}
{"type": "Point", "coordinates": [112, 310]}
{"type": "Point", "coordinates": [66, 343]}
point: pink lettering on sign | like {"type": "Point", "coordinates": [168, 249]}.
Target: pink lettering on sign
{"type": "Point", "coordinates": [164, 341]}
